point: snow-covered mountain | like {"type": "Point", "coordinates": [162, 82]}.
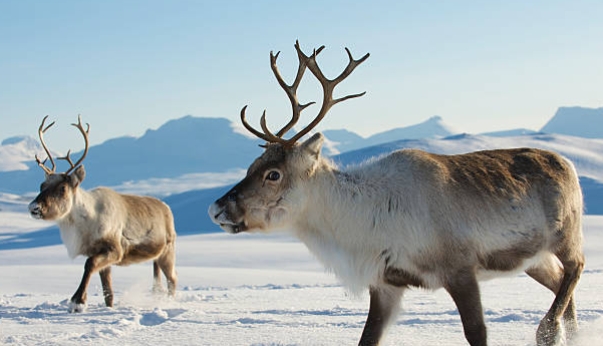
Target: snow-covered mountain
{"type": "Point", "coordinates": [343, 140]}
{"type": "Point", "coordinates": [181, 146]}
{"type": "Point", "coordinates": [434, 127]}
{"type": "Point", "coordinates": [576, 121]}
{"type": "Point", "coordinates": [16, 152]}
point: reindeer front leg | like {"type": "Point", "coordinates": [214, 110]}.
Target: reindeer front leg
{"type": "Point", "coordinates": [384, 304]}
{"type": "Point", "coordinates": [102, 261]}
{"type": "Point", "coordinates": [78, 301]}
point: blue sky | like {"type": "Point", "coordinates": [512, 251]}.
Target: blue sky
{"type": "Point", "coordinates": [127, 66]}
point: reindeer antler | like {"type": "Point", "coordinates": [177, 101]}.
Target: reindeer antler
{"type": "Point", "coordinates": [86, 143]}
{"type": "Point", "coordinates": [42, 130]}
{"type": "Point", "coordinates": [328, 86]}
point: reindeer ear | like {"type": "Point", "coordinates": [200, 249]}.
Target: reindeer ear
{"type": "Point", "coordinates": [78, 176]}
{"type": "Point", "coordinates": [314, 144]}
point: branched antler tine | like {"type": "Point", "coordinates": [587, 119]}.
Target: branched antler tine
{"type": "Point", "coordinates": [291, 90]}
{"type": "Point", "coordinates": [68, 159]}
{"type": "Point", "coordinates": [352, 64]}
{"type": "Point", "coordinates": [271, 137]}
{"type": "Point", "coordinates": [250, 128]}
{"type": "Point", "coordinates": [328, 86]}
{"type": "Point", "coordinates": [302, 107]}
{"type": "Point", "coordinates": [41, 131]}
{"type": "Point", "coordinates": [318, 50]}
{"type": "Point", "coordinates": [84, 133]}
{"type": "Point", "coordinates": [42, 165]}
{"type": "Point", "coordinates": [336, 101]}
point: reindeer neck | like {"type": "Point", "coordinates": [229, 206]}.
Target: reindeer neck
{"type": "Point", "coordinates": [83, 207]}
{"type": "Point", "coordinates": [332, 196]}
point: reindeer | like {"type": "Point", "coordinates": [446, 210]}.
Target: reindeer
{"type": "Point", "coordinates": [416, 219]}
{"type": "Point", "coordinates": [107, 227]}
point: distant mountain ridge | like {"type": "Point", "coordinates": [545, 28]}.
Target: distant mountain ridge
{"type": "Point", "coordinates": [192, 145]}
{"type": "Point", "coordinates": [180, 146]}
{"type": "Point", "coordinates": [576, 121]}
{"type": "Point", "coordinates": [434, 127]}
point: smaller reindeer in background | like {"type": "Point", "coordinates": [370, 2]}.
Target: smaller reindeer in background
{"type": "Point", "coordinates": [108, 227]}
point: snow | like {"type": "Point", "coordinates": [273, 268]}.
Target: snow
{"type": "Point", "coordinates": [249, 289]}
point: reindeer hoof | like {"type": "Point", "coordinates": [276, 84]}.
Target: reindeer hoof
{"type": "Point", "coordinates": [158, 290]}
{"type": "Point", "coordinates": [77, 307]}
{"type": "Point", "coordinates": [549, 333]}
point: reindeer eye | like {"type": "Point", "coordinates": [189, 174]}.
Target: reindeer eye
{"type": "Point", "coordinates": [273, 175]}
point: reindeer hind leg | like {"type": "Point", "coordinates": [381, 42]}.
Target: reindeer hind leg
{"type": "Point", "coordinates": [167, 262]}
{"type": "Point", "coordinates": [549, 273]}
{"type": "Point", "coordinates": [549, 329]}
{"type": "Point", "coordinates": [105, 276]}
{"type": "Point", "coordinates": [156, 278]}
{"type": "Point", "coordinates": [569, 253]}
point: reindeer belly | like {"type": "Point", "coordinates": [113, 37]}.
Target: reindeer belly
{"type": "Point", "coordinates": [508, 264]}
{"type": "Point", "coordinates": [141, 252]}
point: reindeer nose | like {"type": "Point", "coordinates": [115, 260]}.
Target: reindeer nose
{"type": "Point", "coordinates": [35, 210]}
{"type": "Point", "coordinates": [214, 212]}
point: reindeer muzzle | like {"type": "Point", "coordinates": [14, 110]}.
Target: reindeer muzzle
{"type": "Point", "coordinates": [35, 210]}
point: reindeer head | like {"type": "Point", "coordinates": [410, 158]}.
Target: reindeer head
{"type": "Point", "coordinates": [270, 195]}
{"type": "Point", "coordinates": [57, 192]}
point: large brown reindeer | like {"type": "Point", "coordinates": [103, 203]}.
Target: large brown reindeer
{"type": "Point", "coordinates": [107, 227]}
{"type": "Point", "coordinates": [416, 219]}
